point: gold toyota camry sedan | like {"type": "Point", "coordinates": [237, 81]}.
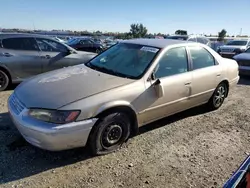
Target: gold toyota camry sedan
{"type": "Point", "coordinates": [103, 102]}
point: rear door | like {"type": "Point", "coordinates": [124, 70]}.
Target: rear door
{"type": "Point", "coordinates": [206, 74]}
{"type": "Point", "coordinates": [53, 54]}
{"type": "Point", "coordinates": [21, 56]}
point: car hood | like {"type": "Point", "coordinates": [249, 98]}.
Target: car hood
{"type": "Point", "coordinates": [85, 54]}
{"type": "Point", "coordinates": [55, 89]}
{"type": "Point", "coordinates": [242, 56]}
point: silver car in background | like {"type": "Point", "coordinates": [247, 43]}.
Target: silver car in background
{"type": "Point", "coordinates": [193, 38]}
{"type": "Point", "coordinates": [26, 55]}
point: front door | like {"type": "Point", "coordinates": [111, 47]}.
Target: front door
{"type": "Point", "coordinates": [53, 54]}
{"type": "Point", "coordinates": [206, 74]}
{"type": "Point", "coordinates": [21, 56]}
{"type": "Point", "coordinates": [174, 75]}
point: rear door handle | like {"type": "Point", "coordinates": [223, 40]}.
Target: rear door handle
{"type": "Point", "coordinates": [187, 83]}
{"type": "Point", "coordinates": [219, 74]}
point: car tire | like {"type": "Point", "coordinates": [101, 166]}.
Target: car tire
{"type": "Point", "coordinates": [218, 96]}
{"type": "Point", "coordinates": [4, 80]}
{"type": "Point", "coordinates": [98, 50]}
{"type": "Point", "coordinates": [109, 133]}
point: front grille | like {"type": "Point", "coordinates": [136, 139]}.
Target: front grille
{"type": "Point", "coordinates": [230, 56]}
{"type": "Point", "coordinates": [16, 104]}
{"type": "Point", "coordinates": [243, 62]}
{"type": "Point", "coordinates": [227, 50]}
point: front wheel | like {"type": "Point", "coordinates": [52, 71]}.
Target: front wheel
{"type": "Point", "coordinates": [218, 96]}
{"type": "Point", "coordinates": [110, 132]}
{"type": "Point", "coordinates": [98, 50]}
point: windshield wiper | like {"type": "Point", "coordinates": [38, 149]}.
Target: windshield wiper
{"type": "Point", "coordinates": [106, 70]}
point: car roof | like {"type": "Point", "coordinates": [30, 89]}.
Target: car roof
{"type": "Point", "coordinates": [8, 35]}
{"type": "Point", "coordinates": [158, 43]}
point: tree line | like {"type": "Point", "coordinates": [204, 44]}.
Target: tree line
{"type": "Point", "coordinates": [137, 30]}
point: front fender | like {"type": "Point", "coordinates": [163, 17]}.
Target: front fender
{"type": "Point", "coordinates": [113, 104]}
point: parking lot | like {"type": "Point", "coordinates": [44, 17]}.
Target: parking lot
{"type": "Point", "coordinates": [191, 149]}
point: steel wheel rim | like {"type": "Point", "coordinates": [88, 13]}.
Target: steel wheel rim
{"type": "Point", "coordinates": [219, 96]}
{"type": "Point", "coordinates": [111, 135]}
{"type": "Point", "coordinates": [2, 80]}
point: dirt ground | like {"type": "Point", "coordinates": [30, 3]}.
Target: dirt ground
{"type": "Point", "coordinates": [191, 149]}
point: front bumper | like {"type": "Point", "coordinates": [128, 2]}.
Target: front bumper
{"type": "Point", "coordinates": [244, 70]}
{"type": "Point", "coordinates": [50, 136]}
{"type": "Point", "coordinates": [229, 55]}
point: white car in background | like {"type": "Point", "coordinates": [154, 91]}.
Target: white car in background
{"type": "Point", "coordinates": [233, 47]}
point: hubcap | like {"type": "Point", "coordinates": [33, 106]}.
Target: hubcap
{"type": "Point", "coordinates": [219, 96]}
{"type": "Point", "coordinates": [2, 80]}
{"type": "Point", "coordinates": [111, 135]}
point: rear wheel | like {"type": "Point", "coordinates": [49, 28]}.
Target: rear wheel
{"type": "Point", "coordinates": [110, 132]}
{"type": "Point", "coordinates": [218, 96]}
{"type": "Point", "coordinates": [4, 80]}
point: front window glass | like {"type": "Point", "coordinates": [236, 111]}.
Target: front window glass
{"type": "Point", "coordinates": [47, 45]}
{"type": "Point", "coordinates": [173, 62]}
{"type": "Point", "coordinates": [125, 60]}
{"type": "Point", "coordinates": [237, 42]}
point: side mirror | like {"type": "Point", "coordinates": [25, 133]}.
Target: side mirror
{"type": "Point", "coordinates": [158, 88]}
{"type": "Point", "coordinates": [69, 51]}
{"type": "Point", "coordinates": [153, 76]}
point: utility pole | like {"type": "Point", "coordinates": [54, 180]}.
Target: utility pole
{"type": "Point", "coordinates": [33, 25]}
{"type": "Point", "coordinates": [240, 31]}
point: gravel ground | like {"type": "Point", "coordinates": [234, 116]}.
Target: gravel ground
{"type": "Point", "coordinates": [191, 149]}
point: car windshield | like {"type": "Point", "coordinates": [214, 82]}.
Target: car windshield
{"type": "Point", "coordinates": [237, 42]}
{"type": "Point", "coordinates": [248, 50]}
{"type": "Point", "coordinates": [125, 60]}
{"type": "Point", "coordinates": [73, 41]}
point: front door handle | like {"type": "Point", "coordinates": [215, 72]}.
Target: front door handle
{"type": "Point", "coordinates": [219, 74]}
{"type": "Point", "coordinates": [187, 83]}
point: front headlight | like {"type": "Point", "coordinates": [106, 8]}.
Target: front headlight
{"type": "Point", "coordinates": [54, 116]}
{"type": "Point", "coordinates": [237, 50]}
